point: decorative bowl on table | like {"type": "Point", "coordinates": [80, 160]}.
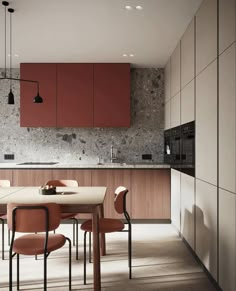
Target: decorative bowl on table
{"type": "Point", "coordinates": [47, 190]}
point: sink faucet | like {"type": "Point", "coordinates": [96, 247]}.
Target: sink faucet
{"type": "Point", "coordinates": [113, 154]}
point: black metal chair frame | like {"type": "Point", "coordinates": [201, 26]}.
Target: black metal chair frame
{"type": "Point", "coordinates": [2, 221]}
{"type": "Point", "coordinates": [45, 254]}
{"type": "Point", "coordinates": [129, 230]}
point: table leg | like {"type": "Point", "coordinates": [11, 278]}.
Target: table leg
{"type": "Point", "coordinates": [96, 252]}
{"type": "Point", "coordinates": [102, 235]}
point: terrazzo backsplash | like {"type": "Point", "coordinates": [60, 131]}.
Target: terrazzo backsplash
{"type": "Point", "coordinates": [86, 145]}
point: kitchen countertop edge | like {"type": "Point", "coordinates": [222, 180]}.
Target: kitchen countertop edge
{"type": "Point", "coordinates": [85, 166]}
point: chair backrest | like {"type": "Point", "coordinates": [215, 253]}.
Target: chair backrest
{"type": "Point", "coordinates": [120, 199]}
{"type": "Point", "coordinates": [33, 217]}
{"type": "Point", "coordinates": [62, 183]}
{"type": "Point", "coordinates": [5, 183]}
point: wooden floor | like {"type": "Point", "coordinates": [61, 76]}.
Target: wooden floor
{"type": "Point", "coordinates": [160, 262]}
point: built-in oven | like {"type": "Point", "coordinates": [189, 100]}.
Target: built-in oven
{"type": "Point", "coordinates": [180, 148]}
{"type": "Point", "coordinates": [175, 145]}
{"type": "Point", "coordinates": [167, 145]}
{"type": "Point", "coordinates": [188, 148]}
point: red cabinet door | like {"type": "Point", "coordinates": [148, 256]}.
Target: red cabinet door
{"type": "Point", "coordinates": [75, 95]}
{"type": "Point", "coordinates": [111, 95]}
{"type": "Point", "coordinates": [42, 114]}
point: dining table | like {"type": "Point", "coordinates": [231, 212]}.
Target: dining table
{"type": "Point", "coordinates": [72, 200]}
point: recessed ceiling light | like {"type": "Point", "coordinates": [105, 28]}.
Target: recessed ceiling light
{"type": "Point", "coordinates": [138, 7]}
{"type": "Point", "coordinates": [128, 7]}
{"type": "Point", "coordinates": [15, 55]}
{"type": "Point", "coordinates": [124, 55]}
{"type": "Point", "coordinates": [131, 55]}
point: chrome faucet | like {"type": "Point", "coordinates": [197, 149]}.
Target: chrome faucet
{"type": "Point", "coordinates": [113, 155]}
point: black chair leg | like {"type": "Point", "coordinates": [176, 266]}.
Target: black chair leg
{"type": "Point", "coordinates": [2, 222]}
{"type": "Point", "coordinates": [18, 271]}
{"type": "Point", "coordinates": [130, 252]}
{"type": "Point", "coordinates": [77, 238]}
{"type": "Point", "coordinates": [45, 272]}
{"type": "Point", "coordinates": [69, 241]}
{"type": "Point", "coordinates": [90, 242]}
{"type": "Point", "coordinates": [10, 270]}
{"type": "Point", "coordinates": [85, 257]}
{"type": "Point", "coordinates": [73, 232]}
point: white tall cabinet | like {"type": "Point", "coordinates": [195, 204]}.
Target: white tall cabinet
{"type": "Point", "coordinates": [206, 34]}
{"type": "Point", "coordinates": [227, 240]}
{"type": "Point", "coordinates": [201, 81]}
{"type": "Point", "coordinates": [175, 198]}
{"type": "Point", "coordinates": [187, 55]}
{"type": "Point", "coordinates": [188, 208]}
{"type": "Point", "coordinates": [227, 129]}
{"type": "Point", "coordinates": [175, 71]}
{"type": "Point", "coordinates": [227, 32]}
{"type": "Point", "coordinates": [206, 124]}
{"type": "Point", "coordinates": [206, 225]}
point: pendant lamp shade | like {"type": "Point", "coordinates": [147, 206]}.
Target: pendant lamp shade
{"type": "Point", "coordinates": [11, 97]}
{"type": "Point", "coordinates": [37, 98]}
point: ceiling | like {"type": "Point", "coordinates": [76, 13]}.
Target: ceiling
{"type": "Point", "coordinates": [95, 30]}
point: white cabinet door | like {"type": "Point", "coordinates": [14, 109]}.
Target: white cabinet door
{"type": "Point", "coordinates": [187, 103]}
{"type": "Point", "coordinates": [175, 71]}
{"type": "Point", "coordinates": [206, 225]}
{"type": "Point", "coordinates": [226, 24]}
{"type": "Point", "coordinates": [167, 81]}
{"type": "Point", "coordinates": [187, 55]}
{"type": "Point", "coordinates": [187, 208]}
{"type": "Point", "coordinates": [206, 124]}
{"type": "Point", "coordinates": [227, 124]}
{"type": "Point", "coordinates": [175, 111]}
{"type": "Point", "coordinates": [206, 34]}
{"type": "Point", "coordinates": [175, 198]}
{"type": "Point", "coordinates": [167, 115]}
{"type": "Point", "coordinates": [227, 240]}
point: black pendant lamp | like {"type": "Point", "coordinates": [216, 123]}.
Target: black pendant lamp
{"type": "Point", "coordinates": [37, 98]}
{"type": "Point", "coordinates": [11, 95]}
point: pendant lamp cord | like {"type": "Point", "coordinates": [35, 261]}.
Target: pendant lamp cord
{"type": "Point", "coordinates": [10, 49]}
{"type": "Point", "coordinates": [5, 41]}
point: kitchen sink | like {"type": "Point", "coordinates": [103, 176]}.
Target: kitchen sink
{"type": "Point", "coordinates": [38, 163]}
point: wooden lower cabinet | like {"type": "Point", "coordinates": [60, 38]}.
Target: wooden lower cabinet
{"type": "Point", "coordinates": [31, 177]}
{"type": "Point", "coordinates": [149, 189]}
{"type": "Point", "coordinates": [150, 194]}
{"type": "Point", "coordinates": [6, 175]}
{"type": "Point", "coordinates": [83, 177]}
{"type": "Point", "coordinates": [112, 179]}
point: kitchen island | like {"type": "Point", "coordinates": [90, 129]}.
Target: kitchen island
{"type": "Point", "coordinates": [148, 184]}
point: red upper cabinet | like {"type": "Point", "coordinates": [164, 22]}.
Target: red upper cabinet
{"type": "Point", "coordinates": [111, 95]}
{"type": "Point", "coordinates": [34, 114]}
{"type": "Point", "coordinates": [74, 95]}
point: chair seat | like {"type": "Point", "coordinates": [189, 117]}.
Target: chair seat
{"type": "Point", "coordinates": [33, 244]}
{"type": "Point", "coordinates": [3, 216]}
{"type": "Point", "coordinates": [67, 215]}
{"type": "Point", "coordinates": [105, 225]}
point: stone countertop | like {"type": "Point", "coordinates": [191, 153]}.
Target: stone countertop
{"type": "Point", "coordinates": [86, 166]}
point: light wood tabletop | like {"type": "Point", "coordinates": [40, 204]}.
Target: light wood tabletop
{"type": "Point", "coordinates": [71, 199]}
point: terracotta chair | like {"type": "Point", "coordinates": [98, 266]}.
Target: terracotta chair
{"type": "Point", "coordinates": [32, 219]}
{"type": "Point", "coordinates": [107, 225]}
{"type": "Point", "coordinates": [65, 216]}
{"type": "Point", "coordinates": [3, 217]}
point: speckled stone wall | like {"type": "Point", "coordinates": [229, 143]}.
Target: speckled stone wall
{"type": "Point", "coordinates": [83, 145]}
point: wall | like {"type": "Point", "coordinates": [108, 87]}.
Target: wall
{"type": "Point", "coordinates": [200, 86]}
{"type": "Point", "coordinates": [84, 145]}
